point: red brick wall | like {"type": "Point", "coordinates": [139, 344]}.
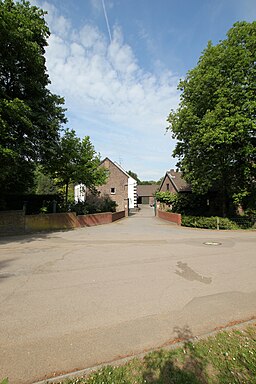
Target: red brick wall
{"type": "Point", "coordinates": [51, 221]}
{"type": "Point", "coordinates": [95, 219]}
{"type": "Point", "coordinates": [118, 215]}
{"type": "Point", "coordinates": [99, 218]}
{"type": "Point", "coordinates": [15, 222]}
{"type": "Point", "coordinates": [169, 216]}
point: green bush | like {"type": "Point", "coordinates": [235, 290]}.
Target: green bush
{"type": "Point", "coordinates": [208, 222]}
{"type": "Point", "coordinates": [166, 197]}
{"type": "Point", "coordinates": [190, 204]}
{"type": "Point", "coordinates": [94, 204]}
{"type": "Point", "coordinates": [34, 203]}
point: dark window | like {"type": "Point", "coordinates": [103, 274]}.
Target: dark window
{"type": "Point", "coordinates": [112, 191]}
{"type": "Point", "coordinates": [167, 187]}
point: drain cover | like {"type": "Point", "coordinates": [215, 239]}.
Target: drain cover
{"type": "Point", "coordinates": [212, 243]}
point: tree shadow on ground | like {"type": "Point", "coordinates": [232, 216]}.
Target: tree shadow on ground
{"type": "Point", "coordinates": [3, 265]}
{"type": "Point", "coordinates": [30, 237]}
{"type": "Point", "coordinates": [166, 368]}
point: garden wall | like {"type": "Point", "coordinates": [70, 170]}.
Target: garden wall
{"type": "Point", "coordinates": [118, 215]}
{"type": "Point", "coordinates": [51, 221]}
{"type": "Point", "coordinates": [16, 222]}
{"type": "Point", "coordinates": [94, 219]}
{"type": "Point", "coordinates": [169, 216]}
{"type": "Point", "coordinates": [99, 218]}
{"type": "Point", "coordinates": [12, 222]}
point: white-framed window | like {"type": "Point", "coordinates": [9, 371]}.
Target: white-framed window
{"type": "Point", "coordinates": [112, 190]}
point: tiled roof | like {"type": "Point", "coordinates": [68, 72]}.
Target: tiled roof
{"type": "Point", "coordinates": [179, 183]}
{"type": "Point", "coordinates": [147, 190]}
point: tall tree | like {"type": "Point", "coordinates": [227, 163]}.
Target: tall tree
{"type": "Point", "coordinates": [215, 124]}
{"type": "Point", "coordinates": [30, 115]}
{"type": "Point", "coordinates": [134, 176]}
{"type": "Point", "coordinates": [77, 162]}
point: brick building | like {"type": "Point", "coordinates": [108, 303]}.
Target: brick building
{"type": "Point", "coordinates": [120, 186]}
{"type": "Point", "coordinates": [145, 193]}
{"type": "Point", "coordinates": [174, 183]}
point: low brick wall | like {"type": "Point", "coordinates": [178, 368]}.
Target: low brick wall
{"type": "Point", "coordinates": [99, 218]}
{"type": "Point", "coordinates": [51, 221]}
{"type": "Point", "coordinates": [12, 222]}
{"type": "Point", "coordinates": [169, 216]}
{"type": "Point", "coordinates": [118, 215]}
{"type": "Point", "coordinates": [95, 219]}
{"type": "Point", "coordinates": [16, 222]}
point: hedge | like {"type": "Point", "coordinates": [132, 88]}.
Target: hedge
{"type": "Point", "coordinates": [208, 222]}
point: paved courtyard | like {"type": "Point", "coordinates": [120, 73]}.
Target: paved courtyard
{"type": "Point", "coordinates": [70, 300]}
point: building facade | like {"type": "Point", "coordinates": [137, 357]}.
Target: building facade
{"type": "Point", "coordinates": [145, 194]}
{"type": "Point", "coordinates": [120, 186]}
{"type": "Point", "coordinates": [174, 183]}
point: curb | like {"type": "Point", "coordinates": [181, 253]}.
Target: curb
{"type": "Point", "coordinates": [169, 345]}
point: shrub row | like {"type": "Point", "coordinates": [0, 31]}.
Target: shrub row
{"type": "Point", "coordinates": [208, 222]}
{"type": "Point", "coordinates": [94, 204]}
{"type": "Point", "coordinates": [34, 203]}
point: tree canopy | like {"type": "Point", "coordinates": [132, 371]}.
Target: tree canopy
{"type": "Point", "coordinates": [142, 182]}
{"type": "Point", "coordinates": [30, 115]}
{"type": "Point", "coordinates": [76, 161]}
{"type": "Point", "coordinates": [215, 124]}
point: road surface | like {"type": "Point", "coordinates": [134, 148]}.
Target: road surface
{"type": "Point", "coordinates": [73, 299]}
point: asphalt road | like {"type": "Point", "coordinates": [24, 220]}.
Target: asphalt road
{"type": "Point", "coordinates": [71, 300]}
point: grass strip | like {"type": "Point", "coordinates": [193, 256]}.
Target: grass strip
{"type": "Point", "coordinates": [228, 357]}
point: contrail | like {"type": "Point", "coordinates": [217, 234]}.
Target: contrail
{"type": "Point", "coordinates": [106, 18]}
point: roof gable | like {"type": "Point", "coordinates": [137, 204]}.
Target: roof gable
{"type": "Point", "coordinates": [177, 181]}
{"type": "Point", "coordinates": [118, 166]}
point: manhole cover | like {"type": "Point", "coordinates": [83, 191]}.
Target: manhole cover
{"type": "Point", "coordinates": [212, 243]}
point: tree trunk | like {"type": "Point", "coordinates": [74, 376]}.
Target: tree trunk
{"type": "Point", "coordinates": [224, 206]}
{"type": "Point", "coordinates": [66, 194]}
{"type": "Point", "coordinates": [224, 202]}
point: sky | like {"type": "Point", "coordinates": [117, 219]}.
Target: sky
{"type": "Point", "coordinates": [117, 63]}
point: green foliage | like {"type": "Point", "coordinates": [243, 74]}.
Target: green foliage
{"type": "Point", "coordinates": [5, 381]}
{"type": "Point", "coordinates": [94, 204]}
{"type": "Point", "coordinates": [208, 222]}
{"type": "Point", "coordinates": [215, 124]}
{"type": "Point", "coordinates": [190, 204]}
{"type": "Point", "coordinates": [44, 183]}
{"type": "Point", "coordinates": [134, 176]}
{"type": "Point", "coordinates": [30, 115]}
{"type": "Point", "coordinates": [34, 203]}
{"type": "Point", "coordinates": [228, 357]}
{"type": "Point", "coordinates": [148, 182]}
{"type": "Point", "coordinates": [166, 197]}
{"type": "Point", "coordinates": [142, 182]}
{"type": "Point", "coordinates": [77, 162]}
{"type": "Point", "coordinates": [184, 203]}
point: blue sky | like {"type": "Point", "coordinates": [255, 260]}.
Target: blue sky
{"type": "Point", "coordinates": [117, 63]}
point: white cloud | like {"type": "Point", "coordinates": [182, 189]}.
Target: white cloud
{"type": "Point", "coordinates": [120, 105]}
{"type": "Point", "coordinates": [96, 5]}
{"type": "Point", "coordinates": [58, 23]}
